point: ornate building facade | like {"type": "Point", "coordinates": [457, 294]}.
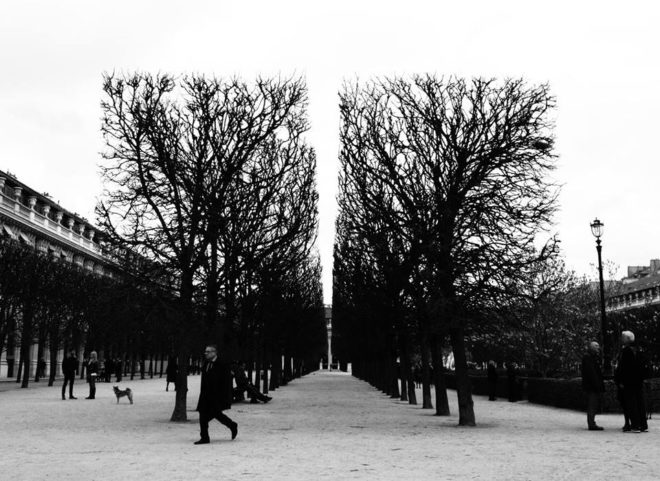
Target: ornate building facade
{"type": "Point", "coordinates": [34, 219]}
{"type": "Point", "coordinates": [640, 288]}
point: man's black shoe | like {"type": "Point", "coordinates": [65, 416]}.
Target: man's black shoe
{"type": "Point", "coordinates": [254, 401]}
{"type": "Point", "coordinates": [268, 398]}
{"type": "Point", "coordinates": [72, 397]}
{"type": "Point", "coordinates": [625, 429]}
{"type": "Point", "coordinates": [63, 398]}
{"type": "Point", "coordinates": [202, 441]}
{"type": "Point", "coordinates": [595, 428]}
{"type": "Point", "coordinates": [234, 430]}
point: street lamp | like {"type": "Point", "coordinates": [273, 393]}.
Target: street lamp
{"type": "Point", "coordinates": [597, 230]}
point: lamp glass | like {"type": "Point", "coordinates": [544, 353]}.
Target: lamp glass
{"type": "Point", "coordinates": [597, 228]}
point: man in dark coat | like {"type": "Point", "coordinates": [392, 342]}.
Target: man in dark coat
{"type": "Point", "coordinates": [630, 379]}
{"type": "Point", "coordinates": [215, 395]}
{"type": "Point", "coordinates": [592, 383]}
{"type": "Point", "coordinates": [69, 366]}
{"type": "Point", "coordinates": [492, 381]}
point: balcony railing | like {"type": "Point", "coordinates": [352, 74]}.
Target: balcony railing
{"type": "Point", "coordinates": [20, 212]}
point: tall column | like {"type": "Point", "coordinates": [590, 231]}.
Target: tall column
{"type": "Point", "coordinates": [17, 198]}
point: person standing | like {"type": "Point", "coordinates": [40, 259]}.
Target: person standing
{"type": "Point", "coordinates": [511, 381]}
{"type": "Point", "coordinates": [630, 379]}
{"type": "Point", "coordinates": [215, 395]}
{"type": "Point", "coordinates": [69, 367]}
{"type": "Point", "coordinates": [109, 369]}
{"type": "Point", "coordinates": [592, 383]}
{"type": "Point", "coordinates": [171, 373]}
{"type": "Point", "coordinates": [492, 381]}
{"type": "Point", "coordinates": [92, 372]}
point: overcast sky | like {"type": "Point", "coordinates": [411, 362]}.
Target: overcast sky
{"type": "Point", "coordinates": [601, 60]}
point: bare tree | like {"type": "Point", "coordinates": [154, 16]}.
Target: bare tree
{"type": "Point", "coordinates": [466, 164]}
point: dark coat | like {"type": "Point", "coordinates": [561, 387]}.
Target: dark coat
{"type": "Point", "coordinates": [592, 376]}
{"type": "Point", "coordinates": [492, 373]}
{"type": "Point", "coordinates": [92, 368]}
{"type": "Point", "coordinates": [628, 371]}
{"type": "Point", "coordinates": [69, 366]}
{"type": "Point", "coordinates": [171, 371]}
{"type": "Point", "coordinates": [216, 391]}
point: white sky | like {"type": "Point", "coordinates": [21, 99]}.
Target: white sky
{"type": "Point", "coordinates": [601, 59]}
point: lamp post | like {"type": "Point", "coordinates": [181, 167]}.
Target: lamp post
{"type": "Point", "coordinates": [597, 230]}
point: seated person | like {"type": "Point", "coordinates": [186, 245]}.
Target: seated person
{"type": "Point", "coordinates": [243, 384]}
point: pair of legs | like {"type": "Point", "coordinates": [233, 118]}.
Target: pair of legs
{"type": "Point", "coordinates": [92, 387]}
{"type": "Point", "coordinates": [206, 416]}
{"type": "Point", "coordinates": [593, 404]}
{"type": "Point", "coordinates": [634, 409]}
{"type": "Point", "coordinates": [492, 390]}
{"type": "Point", "coordinates": [68, 380]}
{"type": "Point", "coordinates": [254, 393]}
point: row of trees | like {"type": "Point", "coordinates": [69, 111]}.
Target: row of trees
{"type": "Point", "coordinates": [60, 306]}
{"type": "Point", "coordinates": [444, 190]}
{"type": "Point", "coordinates": [212, 180]}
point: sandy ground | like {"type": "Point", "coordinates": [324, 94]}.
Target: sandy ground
{"type": "Point", "coordinates": [324, 426]}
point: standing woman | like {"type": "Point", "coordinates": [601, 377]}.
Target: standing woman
{"type": "Point", "coordinates": [92, 372]}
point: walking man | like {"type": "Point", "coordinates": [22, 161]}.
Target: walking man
{"type": "Point", "coordinates": [215, 395]}
{"type": "Point", "coordinates": [592, 383]}
{"type": "Point", "coordinates": [630, 378]}
{"type": "Point", "coordinates": [69, 366]}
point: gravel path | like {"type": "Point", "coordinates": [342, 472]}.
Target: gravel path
{"type": "Point", "coordinates": [324, 426]}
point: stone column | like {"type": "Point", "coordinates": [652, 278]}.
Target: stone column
{"type": "Point", "coordinates": [46, 212]}
{"type": "Point", "coordinates": [2, 188]}
{"type": "Point", "coordinates": [69, 223]}
{"type": "Point", "coordinates": [58, 220]}
{"type": "Point", "coordinates": [17, 198]}
{"type": "Point", "coordinates": [32, 202]}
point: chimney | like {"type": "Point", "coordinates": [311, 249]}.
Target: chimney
{"type": "Point", "coordinates": [655, 266]}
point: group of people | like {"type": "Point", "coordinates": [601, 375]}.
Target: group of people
{"type": "Point", "coordinates": [69, 368]}
{"type": "Point", "coordinates": [629, 378]}
{"type": "Point", "coordinates": [511, 378]}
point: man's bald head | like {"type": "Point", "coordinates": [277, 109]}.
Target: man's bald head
{"type": "Point", "coordinates": [594, 347]}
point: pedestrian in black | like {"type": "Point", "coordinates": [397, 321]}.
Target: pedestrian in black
{"type": "Point", "coordinates": [92, 373]}
{"type": "Point", "coordinates": [41, 367]}
{"type": "Point", "coordinates": [629, 376]}
{"type": "Point", "coordinates": [511, 381]}
{"type": "Point", "coordinates": [69, 367]}
{"type": "Point", "coordinates": [109, 369]}
{"type": "Point", "coordinates": [170, 373]}
{"type": "Point", "coordinates": [492, 381]}
{"type": "Point", "coordinates": [592, 383]}
{"type": "Point", "coordinates": [215, 395]}
{"type": "Point", "coordinates": [118, 369]}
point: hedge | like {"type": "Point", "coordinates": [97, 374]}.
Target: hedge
{"type": "Point", "coordinates": [561, 393]}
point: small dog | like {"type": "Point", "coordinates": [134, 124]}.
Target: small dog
{"type": "Point", "coordinates": [123, 392]}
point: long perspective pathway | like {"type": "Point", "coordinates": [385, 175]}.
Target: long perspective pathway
{"type": "Point", "coordinates": [323, 426]}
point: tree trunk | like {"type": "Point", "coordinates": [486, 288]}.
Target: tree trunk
{"type": "Point", "coordinates": [441, 401]}
{"type": "Point", "coordinates": [463, 387]}
{"type": "Point", "coordinates": [288, 374]}
{"type": "Point", "coordinates": [26, 342]}
{"type": "Point", "coordinates": [426, 375]}
{"type": "Point", "coordinates": [54, 347]}
{"type": "Point", "coordinates": [180, 409]}
{"type": "Point", "coordinates": [265, 365]}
